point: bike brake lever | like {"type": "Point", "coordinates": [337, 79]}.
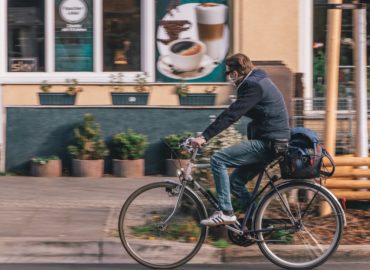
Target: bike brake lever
{"type": "Point", "coordinates": [187, 144]}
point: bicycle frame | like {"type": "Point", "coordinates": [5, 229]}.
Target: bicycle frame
{"type": "Point", "coordinates": [185, 177]}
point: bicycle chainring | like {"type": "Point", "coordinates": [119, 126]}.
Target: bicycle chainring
{"type": "Point", "coordinates": [240, 240]}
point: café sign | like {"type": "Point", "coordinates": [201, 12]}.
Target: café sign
{"type": "Point", "coordinates": [73, 11]}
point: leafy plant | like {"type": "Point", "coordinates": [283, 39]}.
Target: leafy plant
{"type": "Point", "coordinates": [72, 87]}
{"type": "Point", "coordinates": [220, 243]}
{"type": "Point", "coordinates": [185, 229]}
{"type": "Point", "coordinates": [116, 81]}
{"type": "Point", "coordinates": [45, 87]}
{"type": "Point", "coordinates": [319, 72]}
{"type": "Point", "coordinates": [282, 235]}
{"type": "Point", "coordinates": [129, 145]}
{"type": "Point", "coordinates": [141, 82]}
{"type": "Point", "coordinates": [182, 89]}
{"type": "Point", "coordinates": [44, 160]}
{"type": "Point", "coordinates": [210, 90]}
{"type": "Point", "coordinates": [173, 141]}
{"type": "Point", "coordinates": [88, 142]}
{"type": "Point", "coordinates": [7, 174]}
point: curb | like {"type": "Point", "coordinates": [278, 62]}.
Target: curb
{"type": "Point", "coordinates": [112, 251]}
{"type": "Point", "coordinates": [234, 254]}
{"type": "Point", "coordinates": [105, 251]}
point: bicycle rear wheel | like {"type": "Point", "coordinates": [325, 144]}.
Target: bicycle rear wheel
{"type": "Point", "coordinates": [148, 240]}
{"type": "Point", "coordinates": [306, 225]}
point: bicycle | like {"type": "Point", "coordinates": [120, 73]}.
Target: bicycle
{"type": "Point", "coordinates": [286, 223]}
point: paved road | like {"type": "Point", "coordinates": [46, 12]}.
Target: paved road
{"type": "Point", "coordinates": [259, 266]}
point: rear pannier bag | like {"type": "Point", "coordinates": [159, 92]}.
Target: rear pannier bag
{"type": "Point", "coordinates": [304, 157]}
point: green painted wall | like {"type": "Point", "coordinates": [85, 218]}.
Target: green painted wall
{"type": "Point", "coordinates": [47, 131]}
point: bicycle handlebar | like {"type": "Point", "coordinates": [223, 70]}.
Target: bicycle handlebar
{"type": "Point", "coordinates": [187, 144]}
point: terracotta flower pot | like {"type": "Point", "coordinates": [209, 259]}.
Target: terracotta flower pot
{"type": "Point", "coordinates": [53, 168]}
{"type": "Point", "coordinates": [173, 164]}
{"type": "Point", "coordinates": [128, 168]}
{"type": "Point", "coordinates": [88, 168]}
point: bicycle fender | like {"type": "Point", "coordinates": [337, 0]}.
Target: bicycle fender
{"type": "Point", "coordinates": [324, 188]}
{"type": "Point", "coordinates": [192, 193]}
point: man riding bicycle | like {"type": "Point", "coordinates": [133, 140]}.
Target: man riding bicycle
{"type": "Point", "coordinates": [259, 99]}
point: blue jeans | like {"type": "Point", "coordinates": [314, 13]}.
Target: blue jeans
{"type": "Point", "coordinates": [248, 157]}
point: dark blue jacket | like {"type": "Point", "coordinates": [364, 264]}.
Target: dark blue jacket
{"type": "Point", "coordinates": [259, 99]}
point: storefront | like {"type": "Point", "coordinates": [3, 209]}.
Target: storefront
{"type": "Point", "coordinates": [106, 44]}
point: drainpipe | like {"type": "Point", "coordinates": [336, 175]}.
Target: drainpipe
{"type": "Point", "coordinates": [2, 131]}
{"type": "Point", "coordinates": [360, 61]}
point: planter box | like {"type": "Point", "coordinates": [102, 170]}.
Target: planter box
{"type": "Point", "coordinates": [172, 165]}
{"type": "Point", "coordinates": [130, 98]}
{"type": "Point", "coordinates": [198, 99]}
{"type": "Point", "coordinates": [56, 99]}
{"type": "Point", "coordinates": [128, 168]}
{"type": "Point", "coordinates": [88, 168]}
{"type": "Point", "coordinates": [51, 169]}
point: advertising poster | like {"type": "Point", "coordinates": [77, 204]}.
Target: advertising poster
{"type": "Point", "coordinates": [192, 40]}
{"type": "Point", "coordinates": [74, 35]}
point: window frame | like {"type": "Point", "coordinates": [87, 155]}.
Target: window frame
{"type": "Point", "coordinates": [96, 76]}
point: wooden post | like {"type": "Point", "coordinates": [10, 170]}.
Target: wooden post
{"type": "Point", "coordinates": [332, 74]}
{"type": "Point", "coordinates": [333, 35]}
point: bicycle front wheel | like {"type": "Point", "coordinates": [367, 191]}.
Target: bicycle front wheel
{"type": "Point", "coordinates": [305, 222]}
{"type": "Point", "coordinates": [149, 239]}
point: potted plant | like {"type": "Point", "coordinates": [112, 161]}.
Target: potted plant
{"type": "Point", "coordinates": [140, 97]}
{"type": "Point", "coordinates": [89, 150]}
{"type": "Point", "coordinates": [128, 154]}
{"type": "Point", "coordinates": [176, 156]}
{"type": "Point", "coordinates": [195, 99]}
{"type": "Point", "coordinates": [59, 98]}
{"type": "Point", "coordinates": [46, 166]}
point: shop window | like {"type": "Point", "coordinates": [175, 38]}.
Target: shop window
{"type": "Point", "coordinates": [121, 35]}
{"type": "Point", "coordinates": [74, 35]}
{"type": "Point", "coordinates": [26, 42]}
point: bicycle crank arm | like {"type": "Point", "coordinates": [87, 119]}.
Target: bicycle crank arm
{"type": "Point", "coordinates": [234, 230]}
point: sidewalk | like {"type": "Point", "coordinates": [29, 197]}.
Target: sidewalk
{"type": "Point", "coordinates": [75, 219]}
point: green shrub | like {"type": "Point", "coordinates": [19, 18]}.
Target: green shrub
{"type": "Point", "coordinates": [129, 145]}
{"type": "Point", "coordinates": [45, 87]}
{"type": "Point", "coordinates": [88, 142]}
{"type": "Point", "coordinates": [227, 138]}
{"type": "Point", "coordinates": [72, 87]}
{"type": "Point", "coordinates": [44, 160]}
{"type": "Point", "coordinates": [173, 141]}
{"type": "Point", "coordinates": [221, 243]}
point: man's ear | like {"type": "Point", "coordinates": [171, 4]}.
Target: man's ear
{"type": "Point", "coordinates": [235, 74]}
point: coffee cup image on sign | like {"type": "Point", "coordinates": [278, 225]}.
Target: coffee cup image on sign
{"type": "Point", "coordinates": [186, 54]}
{"type": "Point", "coordinates": [211, 18]}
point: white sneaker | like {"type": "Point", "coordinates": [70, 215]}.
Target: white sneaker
{"type": "Point", "coordinates": [218, 218]}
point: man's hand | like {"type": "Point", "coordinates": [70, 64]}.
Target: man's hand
{"type": "Point", "coordinates": [198, 142]}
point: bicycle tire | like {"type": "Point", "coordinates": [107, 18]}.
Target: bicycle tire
{"type": "Point", "coordinates": [285, 242]}
{"type": "Point", "coordinates": [163, 260]}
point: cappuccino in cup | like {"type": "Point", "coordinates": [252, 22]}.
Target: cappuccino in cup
{"type": "Point", "coordinates": [186, 54]}
{"type": "Point", "coordinates": [211, 18]}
